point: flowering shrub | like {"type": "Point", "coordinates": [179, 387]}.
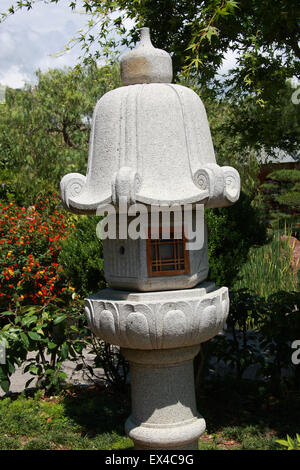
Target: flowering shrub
{"type": "Point", "coordinates": [38, 311]}
{"type": "Point", "coordinates": [30, 242]}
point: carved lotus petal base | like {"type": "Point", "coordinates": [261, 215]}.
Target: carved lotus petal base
{"type": "Point", "coordinates": [158, 320]}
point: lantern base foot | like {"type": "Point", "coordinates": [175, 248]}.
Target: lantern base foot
{"type": "Point", "coordinates": [174, 437]}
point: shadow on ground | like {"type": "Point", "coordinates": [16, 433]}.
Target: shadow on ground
{"type": "Point", "coordinates": [98, 409]}
{"type": "Point", "coordinates": [242, 409]}
{"type": "Point", "coordinates": [228, 402]}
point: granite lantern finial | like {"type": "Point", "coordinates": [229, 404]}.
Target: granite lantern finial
{"type": "Point", "coordinates": [146, 64]}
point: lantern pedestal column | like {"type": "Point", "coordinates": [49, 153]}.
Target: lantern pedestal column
{"type": "Point", "coordinates": [164, 413]}
{"type": "Point", "coordinates": [159, 333]}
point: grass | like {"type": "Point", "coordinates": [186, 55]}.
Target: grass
{"type": "Point", "coordinates": [245, 415]}
{"type": "Point", "coordinates": [241, 438]}
{"type": "Point", "coordinates": [76, 420]}
{"type": "Point", "coordinates": [240, 415]}
{"type": "Point", "coordinates": [238, 438]}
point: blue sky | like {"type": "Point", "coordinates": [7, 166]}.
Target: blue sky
{"type": "Point", "coordinates": [28, 38]}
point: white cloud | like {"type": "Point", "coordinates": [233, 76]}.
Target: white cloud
{"type": "Point", "coordinates": [14, 77]}
{"type": "Point", "coordinates": [28, 38]}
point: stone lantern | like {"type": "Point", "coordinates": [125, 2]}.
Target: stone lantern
{"type": "Point", "coordinates": [150, 145]}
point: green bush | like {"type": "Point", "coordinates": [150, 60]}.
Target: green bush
{"type": "Point", "coordinates": [81, 256]}
{"type": "Point", "coordinates": [281, 192]}
{"type": "Point", "coordinates": [231, 232]}
{"type": "Point", "coordinates": [279, 326]}
{"type": "Point", "coordinates": [261, 332]}
{"type": "Point", "coordinates": [53, 334]}
{"type": "Point", "coordinates": [268, 269]}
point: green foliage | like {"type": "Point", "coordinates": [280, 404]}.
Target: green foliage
{"type": "Point", "coordinates": [200, 33]}
{"type": "Point", "coordinates": [250, 437]}
{"type": "Point", "coordinates": [27, 416]}
{"type": "Point", "coordinates": [45, 129]}
{"type": "Point", "coordinates": [279, 325]}
{"type": "Point", "coordinates": [231, 233]}
{"type": "Point", "coordinates": [238, 350]}
{"type": "Point", "coordinates": [44, 134]}
{"type": "Point", "coordinates": [260, 334]}
{"type": "Point", "coordinates": [289, 443]}
{"type": "Point", "coordinates": [94, 419]}
{"type": "Point", "coordinates": [285, 176]}
{"type": "Point", "coordinates": [53, 334]}
{"type": "Point", "coordinates": [81, 256]}
{"type": "Point", "coordinates": [9, 443]}
{"type": "Point", "coordinates": [109, 358]}
{"type": "Point", "coordinates": [282, 195]}
{"type": "Point", "coordinates": [291, 199]}
{"type": "Point", "coordinates": [241, 131]}
{"type": "Point", "coordinates": [40, 300]}
{"type": "Point", "coordinates": [268, 268]}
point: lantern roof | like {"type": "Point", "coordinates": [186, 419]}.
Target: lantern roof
{"type": "Point", "coordinates": [150, 142]}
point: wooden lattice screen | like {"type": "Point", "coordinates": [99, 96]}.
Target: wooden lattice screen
{"type": "Point", "coordinates": [167, 256]}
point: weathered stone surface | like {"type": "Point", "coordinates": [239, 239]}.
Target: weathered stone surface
{"type": "Point", "coordinates": [164, 413]}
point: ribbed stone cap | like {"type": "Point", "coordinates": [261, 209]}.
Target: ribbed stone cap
{"type": "Point", "coordinates": [146, 64]}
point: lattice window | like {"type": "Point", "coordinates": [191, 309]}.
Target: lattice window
{"type": "Point", "coordinates": [167, 256]}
